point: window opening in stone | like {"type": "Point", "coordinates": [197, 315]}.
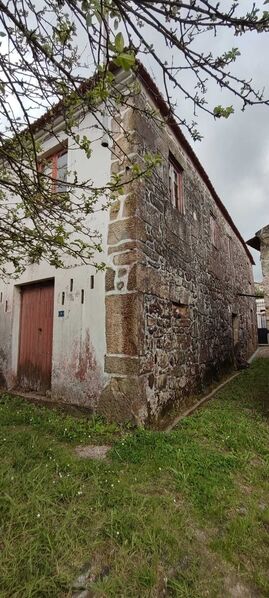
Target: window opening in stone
{"type": "Point", "coordinates": [92, 281]}
{"type": "Point", "coordinates": [235, 322]}
{"type": "Point", "coordinates": [63, 297]}
{"type": "Point", "coordinates": [229, 243]}
{"type": "Point", "coordinates": [82, 295]}
{"type": "Point", "coordinates": [1, 297]}
{"type": "Point", "coordinates": [214, 231]}
{"type": "Point", "coordinates": [6, 306]}
{"type": "Point", "coordinates": [71, 284]}
{"type": "Point", "coordinates": [180, 310]}
{"type": "Point", "coordinates": [176, 184]}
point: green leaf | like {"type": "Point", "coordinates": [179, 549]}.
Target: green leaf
{"type": "Point", "coordinates": [221, 112]}
{"type": "Point", "coordinates": [85, 5]}
{"type": "Point", "coordinates": [119, 42]}
{"type": "Point", "coordinates": [125, 61]}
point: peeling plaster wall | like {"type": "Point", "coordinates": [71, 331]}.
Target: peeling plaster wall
{"type": "Point", "coordinates": [5, 343]}
{"type": "Point", "coordinates": [79, 342]}
{"type": "Point", "coordinates": [78, 338]}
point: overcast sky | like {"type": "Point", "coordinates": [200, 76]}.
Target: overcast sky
{"type": "Point", "coordinates": [235, 152]}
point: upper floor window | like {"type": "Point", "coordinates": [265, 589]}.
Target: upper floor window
{"type": "Point", "coordinates": [214, 231]}
{"type": "Point", "coordinates": [55, 167]}
{"type": "Point", "coordinates": [176, 184]}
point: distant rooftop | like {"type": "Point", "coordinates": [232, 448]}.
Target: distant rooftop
{"type": "Point", "coordinates": [255, 242]}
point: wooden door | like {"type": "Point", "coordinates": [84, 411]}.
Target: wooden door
{"type": "Point", "coordinates": [35, 346]}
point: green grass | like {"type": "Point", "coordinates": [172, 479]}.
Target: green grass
{"type": "Point", "coordinates": [185, 512]}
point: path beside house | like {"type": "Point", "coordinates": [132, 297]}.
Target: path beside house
{"type": "Point", "coordinates": [263, 352]}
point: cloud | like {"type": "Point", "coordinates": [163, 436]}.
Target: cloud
{"type": "Point", "coordinates": [235, 152]}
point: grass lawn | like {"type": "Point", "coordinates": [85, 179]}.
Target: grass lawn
{"type": "Point", "coordinates": [183, 514]}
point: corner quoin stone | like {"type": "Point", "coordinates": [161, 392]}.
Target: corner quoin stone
{"type": "Point", "coordinates": [121, 324]}
{"type": "Point", "coordinates": [110, 279]}
{"type": "Point", "coordinates": [122, 365]}
{"type": "Point", "coordinates": [130, 228]}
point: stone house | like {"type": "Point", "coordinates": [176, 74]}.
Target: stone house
{"type": "Point", "coordinates": [260, 242]}
{"type": "Point", "coordinates": [170, 313]}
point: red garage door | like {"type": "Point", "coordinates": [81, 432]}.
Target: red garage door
{"type": "Point", "coordinates": [35, 348]}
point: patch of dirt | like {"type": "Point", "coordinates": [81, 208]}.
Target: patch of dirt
{"type": "Point", "coordinates": [92, 573]}
{"type": "Point", "coordinates": [263, 352]}
{"type": "Point", "coordinates": [235, 589]}
{"type": "Point", "coordinates": [256, 461]}
{"type": "Point", "coordinates": [92, 451]}
{"type": "Point", "coordinates": [245, 489]}
{"type": "Point", "coordinates": [230, 584]}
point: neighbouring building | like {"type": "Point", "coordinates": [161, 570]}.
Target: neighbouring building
{"type": "Point", "coordinates": [260, 242]}
{"type": "Point", "coordinates": [261, 321]}
{"type": "Point", "coordinates": [172, 311]}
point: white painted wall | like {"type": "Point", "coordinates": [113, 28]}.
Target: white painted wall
{"type": "Point", "coordinates": [261, 313]}
{"type": "Point", "coordinates": [78, 337]}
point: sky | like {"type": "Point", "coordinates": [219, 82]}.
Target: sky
{"type": "Point", "coordinates": [235, 151]}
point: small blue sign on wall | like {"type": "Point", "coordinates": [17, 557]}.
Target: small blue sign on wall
{"type": "Point", "coordinates": [61, 314]}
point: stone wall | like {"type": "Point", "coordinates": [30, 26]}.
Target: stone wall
{"type": "Point", "coordinates": [174, 317]}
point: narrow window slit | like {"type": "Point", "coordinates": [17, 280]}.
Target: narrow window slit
{"type": "Point", "coordinates": [180, 310]}
{"type": "Point", "coordinates": [92, 281]}
{"type": "Point", "coordinates": [71, 284]}
{"type": "Point", "coordinates": [6, 306]}
{"type": "Point", "coordinates": [82, 295]}
{"type": "Point", "coordinates": [176, 184]}
{"type": "Point", "coordinates": [63, 297]}
{"type": "Point", "coordinates": [1, 297]}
